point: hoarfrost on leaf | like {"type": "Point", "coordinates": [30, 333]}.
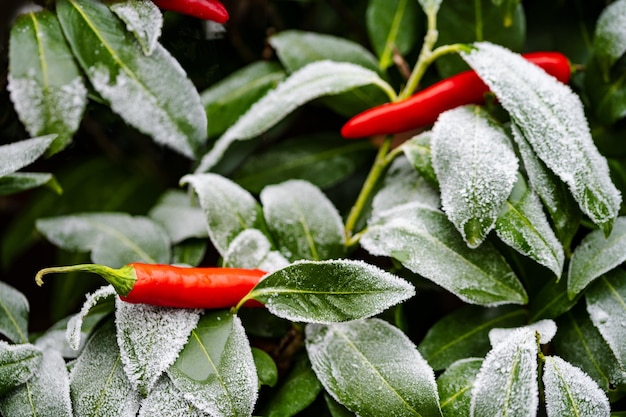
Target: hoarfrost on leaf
{"type": "Point", "coordinates": [476, 168]}
{"type": "Point", "coordinates": [570, 391]}
{"type": "Point", "coordinates": [150, 339]}
{"type": "Point", "coordinates": [18, 363]}
{"type": "Point", "coordinates": [14, 310]}
{"type": "Point", "coordinates": [455, 386]}
{"type": "Point", "coordinates": [180, 218]}
{"type": "Point", "coordinates": [74, 325]}
{"type": "Point", "coordinates": [507, 381]}
{"type": "Point", "coordinates": [551, 117]}
{"type": "Point", "coordinates": [546, 329]}
{"type": "Point", "coordinates": [372, 368]}
{"type": "Point", "coordinates": [609, 40]}
{"type": "Point", "coordinates": [252, 249]}
{"type": "Point", "coordinates": [166, 400]}
{"type": "Point", "coordinates": [17, 155]}
{"type": "Point", "coordinates": [143, 19]}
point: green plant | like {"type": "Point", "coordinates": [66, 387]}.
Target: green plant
{"type": "Point", "coordinates": [473, 269]}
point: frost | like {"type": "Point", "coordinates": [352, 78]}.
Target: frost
{"type": "Point", "coordinates": [546, 329]}
{"type": "Point", "coordinates": [179, 217]}
{"type": "Point", "coordinates": [372, 368]}
{"type": "Point", "coordinates": [303, 221]}
{"type": "Point", "coordinates": [14, 310]}
{"type": "Point", "coordinates": [144, 19]}
{"type": "Point", "coordinates": [551, 117]}
{"type": "Point", "coordinates": [166, 400]}
{"type": "Point", "coordinates": [75, 324]}
{"type": "Point", "coordinates": [150, 339]}
{"type": "Point", "coordinates": [569, 390]}
{"type": "Point", "coordinates": [252, 249]}
{"type": "Point", "coordinates": [15, 156]}
{"type": "Point", "coordinates": [476, 168]}
{"type": "Point", "coordinates": [320, 78]}
{"type": "Point", "coordinates": [507, 381]}
{"type": "Point", "coordinates": [18, 363]}
{"type": "Point", "coordinates": [610, 34]}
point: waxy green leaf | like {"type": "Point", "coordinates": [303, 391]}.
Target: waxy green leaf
{"type": "Point", "coordinates": [455, 386]}
{"type": "Point", "coordinates": [425, 242]}
{"type": "Point", "coordinates": [46, 85]}
{"type": "Point", "coordinates": [609, 39]}
{"type": "Point", "coordinates": [607, 93]}
{"type": "Point", "coordinates": [14, 310]}
{"type": "Point", "coordinates": [266, 369]}
{"type": "Point", "coordinates": [551, 301]}
{"type": "Point", "coordinates": [18, 363]}
{"type": "Point", "coordinates": [215, 371]}
{"type": "Point", "coordinates": [373, 369]}
{"type": "Point", "coordinates": [330, 291]}
{"type": "Point", "coordinates": [131, 82]}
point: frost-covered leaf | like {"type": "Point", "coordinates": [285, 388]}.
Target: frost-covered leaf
{"type": "Point", "coordinates": [393, 27]}
{"type": "Point", "coordinates": [45, 83]}
{"type": "Point", "coordinates": [17, 155]}
{"type": "Point", "coordinates": [507, 381]}
{"type": "Point", "coordinates": [320, 78]}
{"type": "Point", "coordinates": [22, 181]}
{"type": "Point", "coordinates": [545, 330]}
{"type": "Point", "coordinates": [252, 249]}
{"type": "Point", "coordinates": [418, 151]}
{"type": "Point", "coordinates": [180, 218]}
{"type": "Point", "coordinates": [455, 387]}
{"type": "Point", "coordinates": [303, 221]}
{"type": "Point", "coordinates": [18, 363]}
{"type": "Point", "coordinates": [552, 119]}
{"type": "Point", "coordinates": [215, 371]}
{"type": "Point", "coordinates": [606, 304]}
{"type": "Point", "coordinates": [476, 168]}
{"type": "Point", "coordinates": [296, 392]}
{"type": "Point", "coordinates": [425, 242]}
{"type": "Point", "coordinates": [46, 394]}
{"type": "Point", "coordinates": [523, 225]}
{"type": "Point", "coordinates": [143, 19]}
{"type": "Point", "coordinates": [133, 83]}
{"type": "Point", "coordinates": [372, 368]}
{"type": "Point", "coordinates": [609, 39]}
{"type": "Point", "coordinates": [336, 409]}
{"type": "Point", "coordinates": [166, 400]}
{"type": "Point", "coordinates": [74, 332]}
{"type": "Point", "coordinates": [114, 239]}
{"type": "Point", "coordinates": [330, 291]}
{"type": "Point", "coordinates": [98, 383]}
{"type": "Point", "coordinates": [402, 184]}
{"type": "Point", "coordinates": [228, 208]}
{"type": "Point", "coordinates": [464, 333]}
{"type": "Point", "coordinates": [553, 192]}
{"type": "Point", "coordinates": [570, 391]}
{"type": "Point", "coordinates": [596, 255]}
{"type": "Point", "coordinates": [150, 339]}
{"type": "Point", "coordinates": [14, 310]}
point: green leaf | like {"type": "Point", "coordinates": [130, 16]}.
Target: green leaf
{"type": "Point", "coordinates": [17, 155]}
{"type": "Point", "coordinates": [296, 392]}
{"type": "Point", "coordinates": [179, 216]}
{"type": "Point", "coordinates": [425, 242]}
{"type": "Point", "coordinates": [607, 93]}
{"type": "Point", "coordinates": [303, 221]}
{"type": "Point", "coordinates": [18, 364]}
{"type": "Point", "coordinates": [455, 387]}
{"type": "Point", "coordinates": [606, 304]}
{"type": "Point", "coordinates": [465, 333]}
{"type": "Point", "coordinates": [596, 255]}
{"type": "Point", "coordinates": [98, 384]}
{"type": "Point", "coordinates": [507, 381]}
{"type": "Point", "coordinates": [551, 301]}
{"type": "Point", "coordinates": [190, 252]}
{"type": "Point", "coordinates": [418, 151]}
{"type": "Point", "coordinates": [393, 28]}
{"type": "Point", "coordinates": [570, 391]}
{"type": "Point", "coordinates": [609, 39]}
{"type": "Point", "coordinates": [321, 159]}
{"type": "Point", "coordinates": [476, 168]}
{"type": "Point", "coordinates": [143, 19]}
{"type": "Point", "coordinates": [352, 360]}
{"type": "Point", "coordinates": [150, 339]}
{"type": "Point", "coordinates": [14, 183]}
{"type": "Point", "coordinates": [226, 100]}
{"type": "Point", "coordinates": [580, 343]}
{"type": "Point", "coordinates": [552, 119]}
{"type": "Point", "coordinates": [252, 249]}
{"type": "Point", "coordinates": [330, 291]}
{"type": "Point", "coordinates": [46, 394]}
{"type": "Point", "coordinates": [265, 367]}
{"type": "Point", "coordinates": [166, 400]}
{"type": "Point", "coordinates": [131, 82]}
{"type": "Point", "coordinates": [228, 208]}
{"type": "Point", "coordinates": [114, 239]}
{"type": "Point", "coordinates": [14, 309]}
{"type": "Point", "coordinates": [317, 79]}
{"type": "Point", "coordinates": [336, 409]}
{"type": "Point", "coordinates": [46, 85]}
{"type": "Point", "coordinates": [216, 369]}
{"type": "Point", "coordinates": [523, 225]}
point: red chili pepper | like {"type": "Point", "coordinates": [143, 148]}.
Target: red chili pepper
{"type": "Point", "coordinates": [202, 9]}
{"type": "Point", "coordinates": [424, 107]}
{"type": "Point", "coordinates": [172, 286]}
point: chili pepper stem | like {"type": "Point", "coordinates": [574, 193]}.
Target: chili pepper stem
{"type": "Point", "coordinates": [121, 279]}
